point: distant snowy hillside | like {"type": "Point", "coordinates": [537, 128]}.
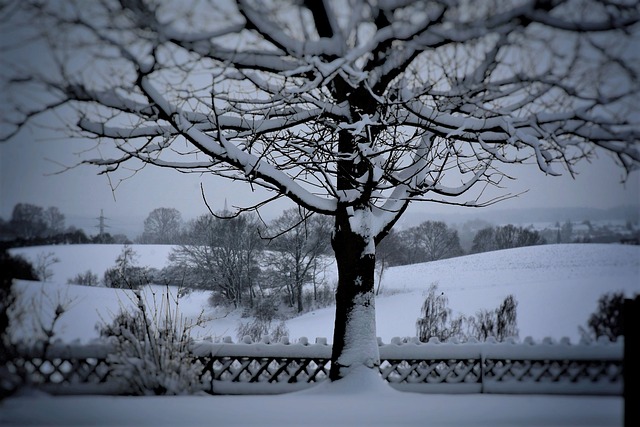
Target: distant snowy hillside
{"type": "Point", "coordinates": [556, 286]}
{"type": "Point", "coordinates": [76, 259]}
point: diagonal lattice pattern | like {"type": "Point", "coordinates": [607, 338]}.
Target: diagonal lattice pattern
{"type": "Point", "coordinates": [443, 367]}
{"type": "Point", "coordinates": [61, 371]}
{"type": "Point", "coordinates": [431, 371]}
{"type": "Point", "coordinates": [553, 371]}
{"type": "Point", "coordinates": [266, 369]}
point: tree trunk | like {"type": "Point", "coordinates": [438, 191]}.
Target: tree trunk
{"type": "Point", "coordinates": [299, 287]}
{"type": "Point", "coordinates": [299, 297]}
{"type": "Point", "coordinates": [354, 341]}
{"type": "Point", "coordinates": [315, 283]}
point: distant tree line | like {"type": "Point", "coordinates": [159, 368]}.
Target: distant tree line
{"type": "Point", "coordinates": [244, 262]}
{"type": "Point", "coordinates": [430, 240]}
{"type": "Point", "coordinates": [505, 237]}
{"type": "Point", "coordinates": [32, 225]}
{"type": "Point", "coordinates": [587, 231]}
{"type": "Point", "coordinates": [247, 263]}
{"type": "Point", "coordinates": [242, 259]}
{"type": "Point", "coordinates": [435, 240]}
{"type": "Point", "coordinates": [30, 222]}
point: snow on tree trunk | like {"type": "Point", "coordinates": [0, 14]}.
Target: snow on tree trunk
{"type": "Point", "coordinates": [354, 118]}
{"type": "Point", "coordinates": [354, 339]}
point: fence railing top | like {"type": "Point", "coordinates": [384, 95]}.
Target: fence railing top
{"type": "Point", "coordinates": [412, 348]}
{"type": "Point", "coordinates": [398, 348]}
{"type": "Point", "coordinates": [602, 341]}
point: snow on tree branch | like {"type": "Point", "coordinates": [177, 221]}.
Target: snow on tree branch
{"type": "Point", "coordinates": [335, 104]}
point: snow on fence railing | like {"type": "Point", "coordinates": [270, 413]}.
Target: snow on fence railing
{"type": "Point", "coordinates": [406, 364]}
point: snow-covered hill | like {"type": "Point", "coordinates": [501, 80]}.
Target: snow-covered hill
{"type": "Point", "coordinates": [556, 286]}
{"type": "Point", "coordinates": [76, 259]}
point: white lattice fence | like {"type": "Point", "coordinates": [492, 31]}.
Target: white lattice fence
{"type": "Point", "coordinates": [65, 369]}
{"type": "Point", "coordinates": [431, 367]}
{"type": "Point", "coordinates": [554, 368]}
{"type": "Point", "coordinates": [409, 365]}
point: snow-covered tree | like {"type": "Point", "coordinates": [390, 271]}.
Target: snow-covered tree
{"type": "Point", "coordinates": [352, 109]}
{"type": "Point", "coordinates": [126, 273]}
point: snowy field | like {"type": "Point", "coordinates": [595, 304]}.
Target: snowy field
{"type": "Point", "coordinates": [556, 286]}
{"type": "Point", "coordinates": [348, 406]}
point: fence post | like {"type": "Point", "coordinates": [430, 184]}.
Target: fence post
{"type": "Point", "coordinates": [482, 365]}
{"type": "Point", "coordinates": [630, 367]}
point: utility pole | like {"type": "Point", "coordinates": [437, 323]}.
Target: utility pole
{"type": "Point", "coordinates": [101, 226]}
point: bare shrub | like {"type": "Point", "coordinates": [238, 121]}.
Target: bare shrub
{"type": "Point", "coordinates": [606, 320]}
{"type": "Point", "coordinates": [88, 278]}
{"type": "Point", "coordinates": [43, 264]}
{"type": "Point", "coordinates": [26, 323]}
{"type": "Point", "coordinates": [501, 323]}
{"type": "Point", "coordinates": [320, 297]}
{"type": "Point", "coordinates": [264, 314]}
{"type": "Point", "coordinates": [437, 320]}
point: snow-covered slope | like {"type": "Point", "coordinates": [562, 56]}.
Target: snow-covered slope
{"type": "Point", "coordinates": [556, 286]}
{"type": "Point", "coordinates": [76, 259]}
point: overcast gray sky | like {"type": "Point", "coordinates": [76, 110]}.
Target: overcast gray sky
{"type": "Point", "coordinates": [29, 161]}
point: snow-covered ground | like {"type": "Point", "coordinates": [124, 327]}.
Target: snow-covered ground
{"type": "Point", "coordinates": [557, 287]}
{"type": "Point", "coordinates": [347, 406]}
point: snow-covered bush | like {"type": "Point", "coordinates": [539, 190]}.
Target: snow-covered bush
{"type": "Point", "coordinates": [131, 278]}
{"type": "Point", "coordinates": [125, 274]}
{"type": "Point", "coordinates": [257, 329]}
{"type": "Point", "coordinates": [37, 316]}
{"type": "Point", "coordinates": [11, 267]}
{"type": "Point", "coordinates": [153, 354]}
